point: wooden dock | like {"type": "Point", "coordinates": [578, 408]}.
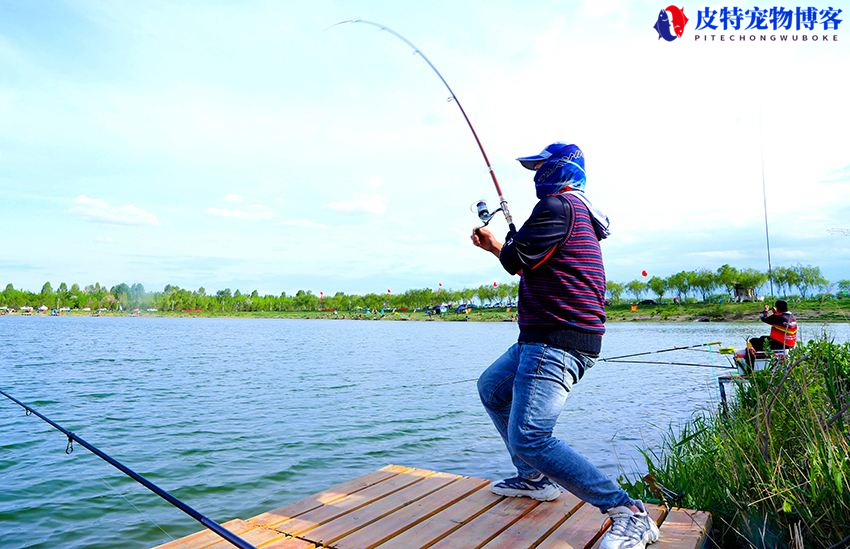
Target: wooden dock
{"type": "Point", "coordinates": [403, 508]}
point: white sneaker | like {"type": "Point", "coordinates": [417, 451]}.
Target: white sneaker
{"type": "Point", "coordinates": [629, 530]}
{"type": "Point", "coordinates": [539, 488]}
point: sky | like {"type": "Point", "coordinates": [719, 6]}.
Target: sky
{"type": "Point", "coordinates": [248, 145]}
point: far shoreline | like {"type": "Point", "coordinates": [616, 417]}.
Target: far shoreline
{"type": "Point", "coordinates": [835, 311]}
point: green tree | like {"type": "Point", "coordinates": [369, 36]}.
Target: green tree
{"type": "Point", "coordinates": [681, 282]}
{"type": "Point", "coordinates": [751, 278]}
{"type": "Point", "coordinates": [504, 292]}
{"type": "Point", "coordinates": [637, 288]}
{"type": "Point", "coordinates": [121, 292]}
{"type": "Point", "coordinates": [614, 290]}
{"type": "Point", "coordinates": [658, 286]}
{"type": "Point", "coordinates": [727, 277]}
{"type": "Point", "coordinates": [47, 296]}
{"type": "Point", "coordinates": [137, 295]}
{"type": "Point", "coordinates": [705, 282]}
{"type": "Point", "coordinates": [487, 292]}
{"type": "Point", "coordinates": [784, 278]}
{"type": "Point", "coordinates": [809, 278]}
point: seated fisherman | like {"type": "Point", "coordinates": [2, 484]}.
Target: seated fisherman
{"type": "Point", "coordinates": [783, 329]}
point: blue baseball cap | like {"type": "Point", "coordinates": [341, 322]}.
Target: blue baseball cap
{"type": "Point", "coordinates": [528, 162]}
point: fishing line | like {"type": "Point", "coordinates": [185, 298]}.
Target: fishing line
{"type": "Point", "coordinates": [619, 359]}
{"type": "Point", "coordinates": [672, 363]}
{"type": "Point", "coordinates": [72, 438]}
{"type": "Point", "coordinates": [133, 505]}
{"type": "Point", "coordinates": [503, 204]}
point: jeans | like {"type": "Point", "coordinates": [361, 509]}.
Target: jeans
{"type": "Point", "coordinates": [524, 391]}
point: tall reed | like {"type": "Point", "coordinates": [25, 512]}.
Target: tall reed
{"type": "Point", "coordinates": [775, 468]}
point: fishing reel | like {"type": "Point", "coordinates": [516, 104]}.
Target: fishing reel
{"type": "Point", "coordinates": [484, 214]}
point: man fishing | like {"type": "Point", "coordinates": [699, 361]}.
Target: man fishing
{"type": "Point", "coordinates": [556, 252]}
{"type": "Point", "coordinates": [783, 330]}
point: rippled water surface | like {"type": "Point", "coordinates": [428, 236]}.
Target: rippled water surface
{"type": "Point", "coordinates": [237, 416]}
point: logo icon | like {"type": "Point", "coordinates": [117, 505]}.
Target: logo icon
{"type": "Point", "coordinates": [671, 23]}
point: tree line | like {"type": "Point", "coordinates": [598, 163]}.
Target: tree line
{"type": "Point", "coordinates": [174, 298]}
{"type": "Point", "coordinates": [701, 284]}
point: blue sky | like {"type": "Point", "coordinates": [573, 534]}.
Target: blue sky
{"type": "Point", "coordinates": [243, 145]}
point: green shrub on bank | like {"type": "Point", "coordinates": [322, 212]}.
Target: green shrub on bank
{"type": "Point", "coordinates": [777, 466]}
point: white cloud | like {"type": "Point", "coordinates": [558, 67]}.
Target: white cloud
{"type": "Point", "coordinates": [101, 211]}
{"type": "Point", "coordinates": [304, 224]}
{"type": "Point", "coordinates": [375, 182]}
{"type": "Point", "coordinates": [253, 211]}
{"type": "Point", "coordinates": [234, 198]}
{"type": "Point", "coordinates": [372, 203]}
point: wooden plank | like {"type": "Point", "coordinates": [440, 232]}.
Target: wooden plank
{"type": "Point", "coordinates": [331, 531]}
{"type": "Point", "coordinates": [206, 537]}
{"type": "Point", "coordinates": [305, 522]}
{"type": "Point", "coordinates": [657, 512]}
{"type": "Point", "coordinates": [439, 525]}
{"type": "Point", "coordinates": [537, 524]}
{"type": "Point", "coordinates": [684, 529]}
{"type": "Point", "coordinates": [396, 522]}
{"type": "Point", "coordinates": [255, 537]}
{"type": "Point", "coordinates": [401, 507]}
{"type": "Point", "coordinates": [577, 531]}
{"type": "Point", "coordinates": [291, 543]}
{"type": "Point", "coordinates": [328, 496]}
{"type": "Point", "coordinates": [488, 524]}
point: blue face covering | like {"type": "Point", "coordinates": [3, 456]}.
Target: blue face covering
{"type": "Point", "coordinates": [562, 170]}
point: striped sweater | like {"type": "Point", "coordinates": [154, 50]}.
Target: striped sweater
{"type": "Point", "coordinates": [562, 284]}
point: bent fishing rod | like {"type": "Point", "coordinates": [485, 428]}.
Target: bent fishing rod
{"type": "Point", "coordinates": [483, 214]}
{"type": "Point", "coordinates": [72, 438]}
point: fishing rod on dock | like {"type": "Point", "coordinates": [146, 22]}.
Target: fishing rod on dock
{"type": "Point", "coordinates": [72, 438]}
{"type": "Point", "coordinates": [673, 364]}
{"type": "Point", "coordinates": [480, 207]}
{"type": "Point", "coordinates": [722, 351]}
{"type": "Point", "coordinates": [613, 358]}
{"type": "Point", "coordinates": [625, 359]}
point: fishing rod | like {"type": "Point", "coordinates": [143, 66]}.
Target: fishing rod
{"type": "Point", "coordinates": [72, 438]}
{"type": "Point", "coordinates": [672, 363]}
{"type": "Point", "coordinates": [613, 358]}
{"type": "Point", "coordinates": [764, 197]}
{"type": "Point", "coordinates": [618, 359]}
{"type": "Point", "coordinates": [480, 206]}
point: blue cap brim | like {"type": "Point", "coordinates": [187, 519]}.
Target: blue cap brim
{"type": "Point", "coordinates": [528, 162]}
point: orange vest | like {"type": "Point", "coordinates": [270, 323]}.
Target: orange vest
{"type": "Point", "coordinates": [787, 335]}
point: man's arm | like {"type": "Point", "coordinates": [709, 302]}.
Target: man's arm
{"type": "Point", "coordinates": [547, 227]}
{"type": "Point", "coordinates": [531, 246]}
{"type": "Point", "coordinates": [772, 317]}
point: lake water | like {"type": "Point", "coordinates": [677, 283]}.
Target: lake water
{"type": "Point", "coordinates": [237, 416]}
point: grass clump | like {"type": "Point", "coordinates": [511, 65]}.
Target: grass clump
{"type": "Point", "coordinates": [774, 470]}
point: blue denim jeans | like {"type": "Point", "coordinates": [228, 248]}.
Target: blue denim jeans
{"type": "Point", "coordinates": [524, 391]}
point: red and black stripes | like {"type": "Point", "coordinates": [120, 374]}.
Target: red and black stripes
{"type": "Point", "coordinates": [562, 299]}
